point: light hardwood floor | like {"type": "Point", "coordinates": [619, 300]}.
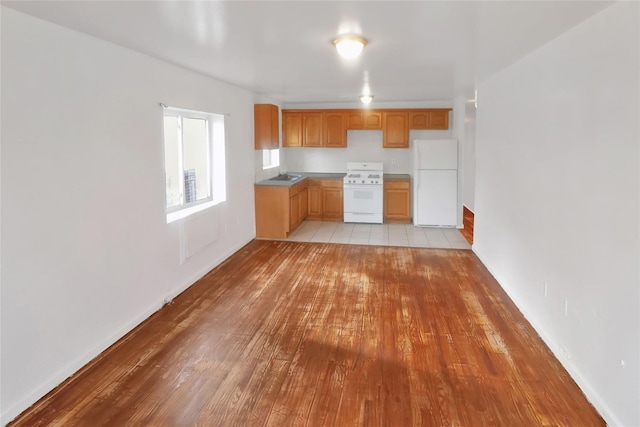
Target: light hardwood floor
{"type": "Point", "coordinates": [311, 334]}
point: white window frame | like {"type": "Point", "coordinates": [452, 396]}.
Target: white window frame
{"type": "Point", "coordinates": [216, 164]}
{"type": "Point", "coordinates": [270, 159]}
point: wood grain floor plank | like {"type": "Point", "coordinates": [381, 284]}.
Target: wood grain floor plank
{"type": "Point", "coordinates": [303, 334]}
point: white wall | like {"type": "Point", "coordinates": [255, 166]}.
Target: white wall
{"type": "Point", "coordinates": [469, 156]}
{"type": "Point", "coordinates": [557, 200]}
{"type": "Point", "coordinates": [86, 251]}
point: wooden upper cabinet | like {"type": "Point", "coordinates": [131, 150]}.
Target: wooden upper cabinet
{"type": "Point", "coordinates": [328, 128]}
{"type": "Point", "coordinates": [266, 129]}
{"type": "Point", "coordinates": [312, 129]}
{"type": "Point", "coordinates": [419, 119]}
{"type": "Point", "coordinates": [372, 120]}
{"type": "Point", "coordinates": [334, 129]}
{"type": "Point", "coordinates": [364, 119]}
{"type": "Point", "coordinates": [395, 129]}
{"type": "Point", "coordinates": [291, 129]}
{"type": "Point", "coordinates": [302, 128]}
{"type": "Point", "coordinates": [439, 119]}
{"type": "Point", "coordinates": [355, 119]}
{"type": "Point", "coordinates": [429, 119]}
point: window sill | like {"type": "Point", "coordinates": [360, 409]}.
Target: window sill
{"type": "Point", "coordinates": [183, 213]}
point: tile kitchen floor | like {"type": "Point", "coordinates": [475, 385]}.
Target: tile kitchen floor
{"type": "Point", "coordinates": [379, 234]}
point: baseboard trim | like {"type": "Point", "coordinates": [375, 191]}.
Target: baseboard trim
{"type": "Point", "coordinates": [69, 370]}
{"type": "Point", "coordinates": [574, 372]}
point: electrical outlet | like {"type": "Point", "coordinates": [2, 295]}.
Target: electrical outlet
{"type": "Point", "coordinates": [565, 352]}
{"type": "Point", "coordinates": [622, 363]}
{"type": "Point", "coordinates": [564, 304]}
{"type": "Point", "coordinates": [545, 289]}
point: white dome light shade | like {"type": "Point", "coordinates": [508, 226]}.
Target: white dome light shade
{"type": "Point", "coordinates": [349, 47]}
{"type": "Point", "coordinates": [366, 99]}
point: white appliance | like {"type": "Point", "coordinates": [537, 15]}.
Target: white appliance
{"type": "Point", "coordinates": [435, 183]}
{"type": "Point", "coordinates": [363, 191]}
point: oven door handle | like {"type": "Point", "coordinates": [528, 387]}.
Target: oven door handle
{"type": "Point", "coordinates": [362, 186]}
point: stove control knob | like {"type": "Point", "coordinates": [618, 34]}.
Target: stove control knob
{"type": "Point", "coordinates": [363, 181]}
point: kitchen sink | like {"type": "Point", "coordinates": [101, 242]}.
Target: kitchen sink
{"type": "Point", "coordinates": [286, 177]}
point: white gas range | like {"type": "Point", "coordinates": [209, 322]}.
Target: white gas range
{"type": "Point", "coordinates": [363, 192]}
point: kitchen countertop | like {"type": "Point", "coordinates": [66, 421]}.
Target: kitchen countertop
{"type": "Point", "coordinates": [321, 175]}
{"type": "Point", "coordinates": [305, 175]}
{"type": "Point", "coordinates": [397, 177]}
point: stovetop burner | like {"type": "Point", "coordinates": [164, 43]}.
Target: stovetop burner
{"type": "Point", "coordinates": [361, 173]}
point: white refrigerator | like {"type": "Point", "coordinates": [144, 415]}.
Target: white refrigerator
{"type": "Point", "coordinates": [435, 183]}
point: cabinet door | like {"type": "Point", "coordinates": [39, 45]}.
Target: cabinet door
{"type": "Point", "coordinates": [364, 119]}
{"type": "Point", "coordinates": [272, 205]}
{"type": "Point", "coordinates": [291, 129]}
{"type": "Point", "coordinates": [355, 119]}
{"type": "Point", "coordinates": [315, 202]}
{"type": "Point", "coordinates": [397, 201]}
{"type": "Point", "coordinates": [395, 130]}
{"type": "Point", "coordinates": [265, 118]}
{"type": "Point", "coordinates": [372, 120]}
{"type": "Point", "coordinates": [419, 119]}
{"type": "Point", "coordinates": [304, 204]}
{"type": "Point", "coordinates": [332, 203]}
{"type": "Point", "coordinates": [312, 129]}
{"type": "Point", "coordinates": [275, 127]}
{"type": "Point", "coordinates": [294, 211]}
{"type": "Point", "coordinates": [439, 119]}
{"type": "Point", "coordinates": [334, 132]}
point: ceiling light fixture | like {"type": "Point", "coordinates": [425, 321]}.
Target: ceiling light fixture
{"type": "Point", "coordinates": [366, 99]}
{"type": "Point", "coordinates": [349, 46]}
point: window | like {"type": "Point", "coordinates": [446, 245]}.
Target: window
{"type": "Point", "coordinates": [194, 161]}
{"type": "Point", "coordinates": [270, 159]}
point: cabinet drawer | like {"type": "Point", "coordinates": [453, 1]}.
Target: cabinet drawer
{"type": "Point", "coordinates": [332, 183]}
{"type": "Point", "coordinates": [297, 188]}
{"type": "Point", "coordinates": [397, 185]}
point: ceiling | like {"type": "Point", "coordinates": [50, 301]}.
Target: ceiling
{"type": "Point", "coordinates": [417, 51]}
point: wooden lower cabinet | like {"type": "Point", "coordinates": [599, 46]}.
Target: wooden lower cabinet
{"type": "Point", "coordinates": [279, 210]}
{"type": "Point", "coordinates": [298, 208]}
{"type": "Point", "coordinates": [315, 200]}
{"type": "Point", "coordinates": [294, 212]}
{"type": "Point", "coordinates": [304, 203]}
{"type": "Point", "coordinates": [332, 201]}
{"type": "Point", "coordinates": [397, 201]}
{"type": "Point", "coordinates": [325, 200]}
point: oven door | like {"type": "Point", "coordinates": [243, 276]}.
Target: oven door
{"type": "Point", "coordinates": [363, 203]}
